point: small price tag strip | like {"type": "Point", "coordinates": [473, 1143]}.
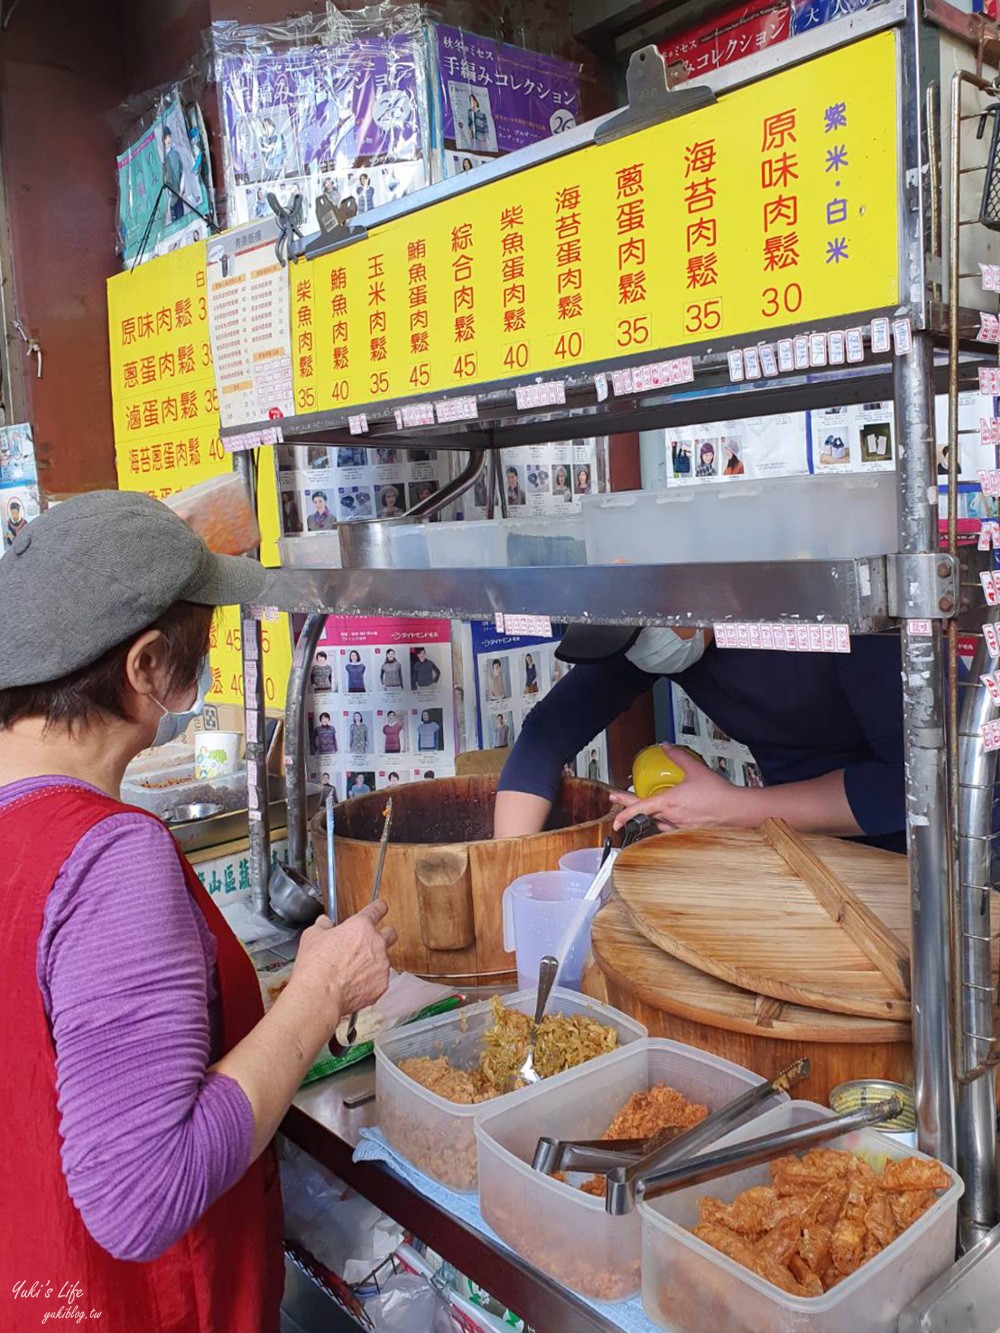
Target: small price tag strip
{"type": "Point", "coordinates": [736, 372]}
{"type": "Point", "coordinates": [786, 355]}
{"type": "Point", "coordinates": [457, 409]}
{"type": "Point", "coordinates": [768, 360]}
{"type": "Point", "coordinates": [601, 386]}
{"type": "Point", "coordinates": [989, 431]}
{"type": "Point", "coordinates": [991, 633]}
{"type": "Point", "coordinates": [252, 717]}
{"type": "Point", "coordinates": [268, 613]}
{"type": "Point", "coordinates": [855, 346]}
{"type": "Point", "coordinates": [751, 363]}
{"type": "Point", "coordinates": [989, 380]}
{"type": "Point", "coordinates": [989, 481]}
{"type": "Point", "coordinates": [250, 679]}
{"type": "Point", "coordinates": [991, 587]}
{"type": "Point", "coordinates": [880, 336]}
{"type": "Point", "coordinates": [817, 349]}
{"type": "Point", "coordinates": [837, 344]}
{"type": "Point", "coordinates": [358, 424]}
{"type": "Point", "coordinates": [539, 627]}
{"type": "Point", "coordinates": [418, 414]}
{"type": "Point", "coordinates": [991, 735]}
{"type": "Point", "coordinates": [989, 536]}
{"type": "Point", "coordinates": [800, 348]}
{"type": "Point", "coordinates": [992, 683]}
{"type": "Point", "coordinates": [922, 628]}
{"type": "Point", "coordinates": [657, 375]}
{"type": "Point", "coordinates": [902, 336]}
{"type": "Point", "coordinates": [238, 444]}
{"type": "Point", "coordinates": [827, 638]}
{"type": "Point", "coordinates": [989, 328]}
{"type": "Point", "coordinates": [250, 640]}
{"type": "Point", "coordinates": [991, 277]}
{"type": "Point", "coordinates": [550, 394]}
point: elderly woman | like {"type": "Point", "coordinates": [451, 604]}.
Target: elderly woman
{"type": "Point", "coordinates": [144, 1082]}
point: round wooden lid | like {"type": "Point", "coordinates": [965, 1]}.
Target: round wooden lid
{"type": "Point", "coordinates": [632, 964]}
{"type": "Point", "coordinates": [811, 920]}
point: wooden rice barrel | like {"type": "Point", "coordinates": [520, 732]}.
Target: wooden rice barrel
{"type": "Point", "coordinates": [444, 872]}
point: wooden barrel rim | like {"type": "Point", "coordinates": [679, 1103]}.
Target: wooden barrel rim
{"type": "Point", "coordinates": [823, 1027]}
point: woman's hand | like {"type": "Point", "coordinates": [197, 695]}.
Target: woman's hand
{"type": "Point", "coordinates": [345, 967]}
{"type": "Point", "coordinates": [702, 800]}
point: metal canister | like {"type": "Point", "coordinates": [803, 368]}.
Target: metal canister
{"type": "Point", "coordinates": [862, 1092]}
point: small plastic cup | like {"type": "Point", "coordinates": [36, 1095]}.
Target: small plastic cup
{"type": "Point", "coordinates": [584, 861]}
{"type": "Point", "coordinates": [537, 912]}
{"type": "Point", "coordinates": [216, 754]}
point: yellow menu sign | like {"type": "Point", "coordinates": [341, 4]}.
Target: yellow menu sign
{"type": "Point", "coordinates": [776, 206]}
{"type": "Point", "coordinates": [166, 424]}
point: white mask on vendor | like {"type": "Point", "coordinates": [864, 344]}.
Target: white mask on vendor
{"type": "Point", "coordinates": [662, 652]}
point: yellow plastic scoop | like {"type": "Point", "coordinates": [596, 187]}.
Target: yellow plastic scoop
{"type": "Point", "coordinates": [654, 771]}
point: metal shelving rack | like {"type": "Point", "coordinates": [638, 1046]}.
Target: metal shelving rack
{"type": "Point", "coordinates": [955, 1102]}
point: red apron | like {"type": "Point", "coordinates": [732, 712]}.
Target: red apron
{"type": "Point", "coordinates": [225, 1275]}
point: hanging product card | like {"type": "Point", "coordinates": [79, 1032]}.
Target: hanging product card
{"type": "Point", "coordinates": [508, 674]}
{"type": "Point", "coordinates": [855, 346]}
{"type": "Point", "coordinates": [249, 314]}
{"type": "Point", "coordinates": [786, 355]}
{"type": "Point", "coordinates": [380, 710]}
{"type": "Point", "coordinates": [19, 495]}
{"type": "Point", "coordinates": [321, 486]}
{"type": "Point", "coordinates": [696, 730]}
{"type": "Point", "coordinates": [746, 447]}
{"type": "Point", "coordinates": [736, 372]}
{"type": "Point", "coordinates": [817, 349]}
{"type": "Point", "coordinates": [858, 438]}
{"type": "Point", "coordinates": [880, 336]}
{"type": "Point", "coordinates": [991, 633]}
{"type": "Point", "coordinates": [800, 349]}
{"type": "Point", "coordinates": [543, 479]}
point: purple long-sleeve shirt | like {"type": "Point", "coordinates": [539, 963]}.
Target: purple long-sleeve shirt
{"type": "Point", "coordinates": [126, 967]}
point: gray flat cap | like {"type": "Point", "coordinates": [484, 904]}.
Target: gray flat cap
{"type": "Point", "coordinates": [97, 570]}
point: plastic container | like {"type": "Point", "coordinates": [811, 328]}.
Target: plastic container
{"type": "Point", "coordinates": [436, 1135]}
{"type": "Point", "coordinates": [220, 512]}
{"type": "Point", "coordinates": [146, 790]}
{"type": "Point", "coordinates": [538, 910]}
{"type": "Point", "coordinates": [575, 1241]}
{"type": "Point", "coordinates": [688, 1287]}
{"type": "Point", "coordinates": [785, 518]}
{"type": "Point", "coordinates": [586, 861]}
{"type": "Point", "coordinates": [408, 544]}
{"type": "Point", "coordinates": [318, 550]}
{"type": "Point", "coordinates": [469, 544]}
{"type": "Point", "coordinates": [546, 541]}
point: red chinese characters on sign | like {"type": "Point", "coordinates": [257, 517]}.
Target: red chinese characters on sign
{"type": "Point", "coordinates": [305, 340]}
{"type": "Point", "coordinates": [512, 258]}
{"type": "Point", "coordinates": [463, 291]}
{"type": "Point", "coordinates": [702, 233]}
{"type": "Point", "coordinates": [569, 254]}
{"type": "Point", "coordinates": [378, 334]}
{"type": "Point", "coordinates": [630, 226]}
{"type": "Point", "coordinates": [779, 177]}
{"type": "Point", "coordinates": [419, 311]}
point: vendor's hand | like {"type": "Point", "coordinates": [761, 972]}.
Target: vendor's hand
{"type": "Point", "coordinates": [702, 800]}
{"type": "Point", "coordinates": [347, 966]}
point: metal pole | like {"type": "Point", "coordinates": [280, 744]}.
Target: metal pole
{"type": "Point", "coordinates": [926, 787]}
{"type": "Point", "coordinates": [254, 704]}
{"type": "Point", "coordinates": [295, 732]}
{"type": "Point", "coordinates": [977, 1103]}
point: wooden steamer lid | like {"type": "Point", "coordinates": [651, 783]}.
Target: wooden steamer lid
{"type": "Point", "coordinates": [811, 921]}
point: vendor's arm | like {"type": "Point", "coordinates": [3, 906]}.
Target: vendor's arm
{"type": "Point", "coordinates": [151, 1134]}
{"type": "Point", "coordinates": [576, 710]}
{"type": "Point", "coordinates": [706, 800]}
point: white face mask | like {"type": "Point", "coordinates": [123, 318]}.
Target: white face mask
{"type": "Point", "coordinates": [173, 725]}
{"type": "Point", "coordinates": [662, 652]}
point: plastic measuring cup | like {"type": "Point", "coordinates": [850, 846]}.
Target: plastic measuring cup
{"type": "Point", "coordinates": [537, 911]}
{"type": "Point", "coordinates": [584, 861]}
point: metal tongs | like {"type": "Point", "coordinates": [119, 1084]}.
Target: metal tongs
{"type": "Point", "coordinates": [620, 1190]}
{"type": "Point", "coordinates": [624, 1161]}
{"type": "Point", "coordinates": [764, 1149]}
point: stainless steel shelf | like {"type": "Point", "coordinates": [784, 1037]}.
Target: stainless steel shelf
{"type": "Point", "coordinates": [851, 592]}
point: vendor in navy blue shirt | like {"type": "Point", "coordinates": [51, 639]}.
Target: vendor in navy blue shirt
{"type": "Point", "coordinates": [826, 731]}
